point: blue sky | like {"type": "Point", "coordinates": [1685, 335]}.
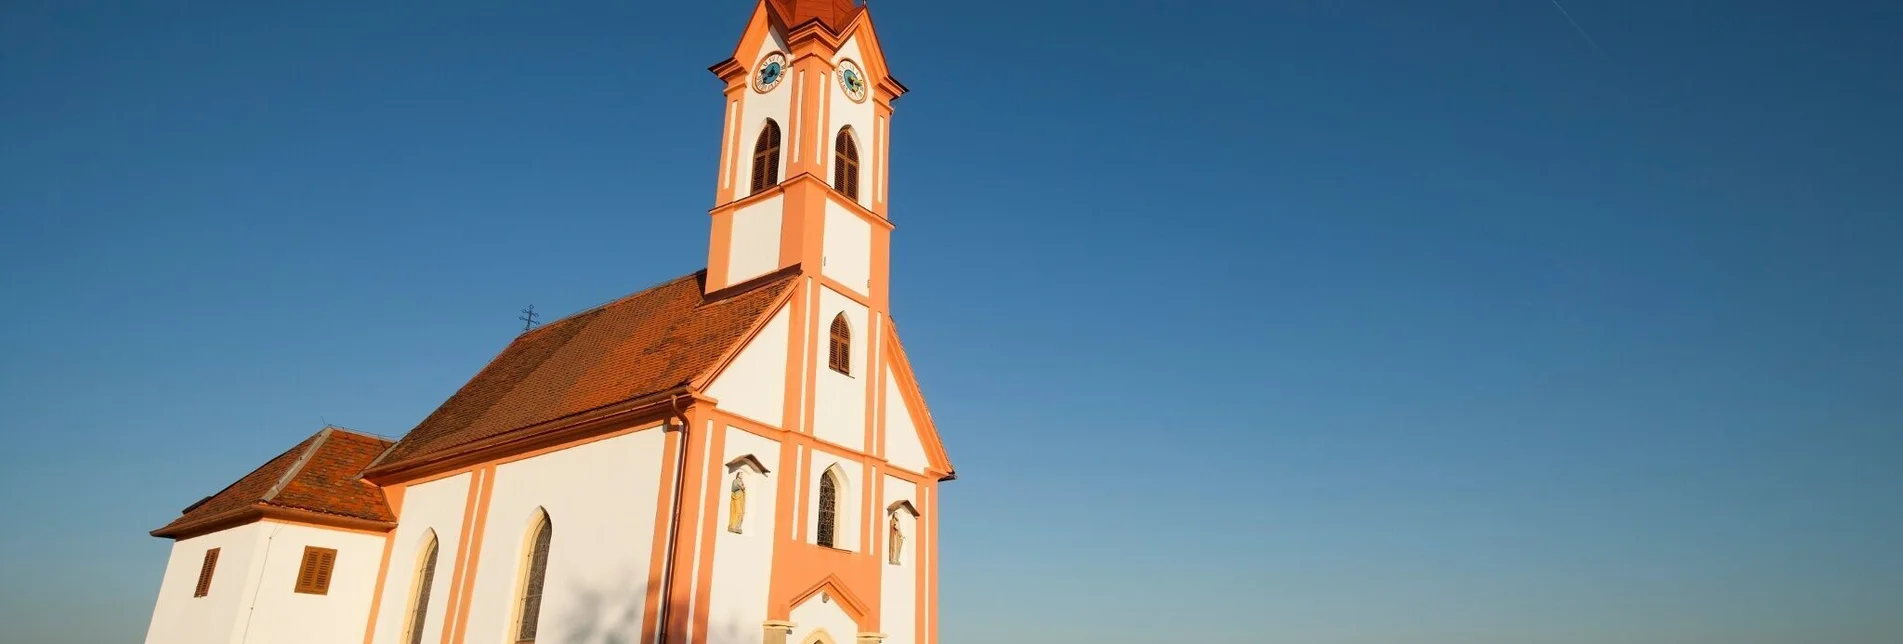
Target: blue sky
{"type": "Point", "coordinates": [1318, 322]}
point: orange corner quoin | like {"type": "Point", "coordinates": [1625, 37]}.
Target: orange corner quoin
{"type": "Point", "coordinates": [739, 454]}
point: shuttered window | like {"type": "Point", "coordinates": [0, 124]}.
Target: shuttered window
{"type": "Point", "coordinates": [828, 508]}
{"type": "Point", "coordinates": [839, 358]}
{"type": "Point", "coordinates": [313, 576]}
{"type": "Point", "coordinates": [846, 164]}
{"type": "Point", "coordinates": [204, 573]}
{"type": "Point", "coordinates": [419, 606]}
{"type": "Point", "coordinates": [537, 571]}
{"type": "Point", "coordinates": [766, 157]}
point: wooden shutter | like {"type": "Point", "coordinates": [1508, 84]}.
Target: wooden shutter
{"type": "Point", "coordinates": [839, 356]}
{"type": "Point", "coordinates": [766, 157]}
{"type": "Point", "coordinates": [313, 576]}
{"type": "Point", "coordinates": [846, 164]}
{"type": "Point", "coordinates": [204, 573]}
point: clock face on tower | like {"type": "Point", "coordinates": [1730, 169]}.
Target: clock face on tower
{"type": "Point", "coordinates": [771, 71]}
{"type": "Point", "coordinates": [852, 80]}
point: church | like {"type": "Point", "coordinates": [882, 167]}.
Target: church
{"type": "Point", "coordinates": [739, 454]}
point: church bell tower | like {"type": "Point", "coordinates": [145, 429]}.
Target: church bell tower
{"type": "Point", "coordinates": [802, 178]}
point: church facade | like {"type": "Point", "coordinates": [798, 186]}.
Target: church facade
{"type": "Point", "coordinates": [740, 454]}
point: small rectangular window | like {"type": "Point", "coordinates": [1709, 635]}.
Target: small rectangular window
{"type": "Point", "coordinates": [313, 577]}
{"type": "Point", "coordinates": [204, 573]}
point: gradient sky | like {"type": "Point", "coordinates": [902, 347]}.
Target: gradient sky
{"type": "Point", "coordinates": [1302, 321]}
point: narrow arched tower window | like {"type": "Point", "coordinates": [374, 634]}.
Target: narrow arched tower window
{"type": "Point", "coordinates": [766, 157]}
{"type": "Point", "coordinates": [828, 507]}
{"type": "Point", "coordinates": [840, 355]}
{"type": "Point", "coordinates": [535, 572]}
{"type": "Point", "coordinates": [846, 164]}
{"type": "Point", "coordinates": [419, 600]}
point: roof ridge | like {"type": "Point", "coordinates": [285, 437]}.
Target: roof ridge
{"type": "Point", "coordinates": [302, 459]}
{"type": "Point", "coordinates": [360, 433]}
{"type": "Point", "coordinates": [603, 305]}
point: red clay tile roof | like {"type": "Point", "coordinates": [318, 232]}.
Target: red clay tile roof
{"type": "Point", "coordinates": [319, 475]}
{"type": "Point", "coordinates": [640, 345]}
{"type": "Point", "coordinates": [833, 13]}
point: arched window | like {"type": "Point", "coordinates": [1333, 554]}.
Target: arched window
{"type": "Point", "coordinates": [828, 507]}
{"type": "Point", "coordinates": [846, 163]}
{"type": "Point", "coordinates": [419, 598]}
{"type": "Point", "coordinates": [766, 157]}
{"type": "Point", "coordinates": [534, 572]}
{"type": "Point", "coordinates": [840, 356]}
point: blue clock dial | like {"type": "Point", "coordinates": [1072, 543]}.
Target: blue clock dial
{"type": "Point", "coordinates": [771, 71]}
{"type": "Point", "coordinates": [852, 80]}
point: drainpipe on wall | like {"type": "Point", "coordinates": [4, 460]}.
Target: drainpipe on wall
{"type": "Point", "coordinates": [674, 523]}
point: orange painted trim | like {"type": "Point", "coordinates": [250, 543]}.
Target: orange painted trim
{"type": "Point", "coordinates": [462, 552]}
{"type": "Point", "coordinates": [915, 403]}
{"type": "Point", "coordinates": [562, 430]}
{"type": "Point", "coordinates": [393, 495]}
{"type": "Point", "coordinates": [868, 215]}
{"type": "Point", "coordinates": [836, 588]}
{"type": "Point", "coordinates": [931, 587]}
{"type": "Point", "coordinates": [809, 372]}
{"type": "Point", "coordinates": [795, 393]}
{"type": "Point", "coordinates": [856, 295]}
{"type": "Point", "coordinates": [261, 511]}
{"type": "Point", "coordinates": [481, 526]}
{"type": "Point", "coordinates": [709, 527]}
{"type": "Point", "coordinates": [719, 251]}
{"type": "Point", "coordinates": [806, 474]}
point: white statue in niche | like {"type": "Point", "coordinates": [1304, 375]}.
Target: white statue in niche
{"type": "Point", "coordinates": [737, 503]}
{"type": "Point", "coordinates": [895, 540]}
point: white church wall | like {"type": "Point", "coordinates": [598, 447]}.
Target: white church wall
{"type": "Point", "coordinates": [844, 113]}
{"type": "Point", "coordinates": [898, 584]}
{"type": "Point", "coordinates": [737, 603]}
{"type": "Point", "coordinates": [432, 507]}
{"type": "Point", "coordinates": [839, 404]}
{"type": "Point", "coordinates": [903, 446]}
{"type": "Point", "coordinates": [848, 248]}
{"type": "Point", "coordinates": [821, 614]}
{"type": "Point", "coordinates": [600, 500]}
{"type": "Point", "coordinates": [180, 618]}
{"type": "Point", "coordinates": [756, 240]}
{"type": "Point", "coordinates": [847, 507]}
{"type": "Point", "coordinates": [754, 384]}
{"type": "Point", "coordinates": [281, 615]}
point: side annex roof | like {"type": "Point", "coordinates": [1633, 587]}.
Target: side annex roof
{"type": "Point", "coordinates": [317, 481]}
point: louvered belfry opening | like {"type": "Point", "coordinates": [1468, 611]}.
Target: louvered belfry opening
{"type": "Point", "coordinates": [846, 164]}
{"type": "Point", "coordinates": [419, 608]}
{"type": "Point", "coordinates": [204, 573]}
{"type": "Point", "coordinates": [313, 575]}
{"type": "Point", "coordinates": [828, 508]}
{"type": "Point", "coordinates": [839, 355]}
{"type": "Point", "coordinates": [537, 571]}
{"type": "Point", "coordinates": [766, 157]}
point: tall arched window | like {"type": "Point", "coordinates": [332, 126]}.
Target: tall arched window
{"type": "Point", "coordinates": [419, 597]}
{"type": "Point", "coordinates": [840, 355]}
{"type": "Point", "coordinates": [534, 572]}
{"type": "Point", "coordinates": [828, 507]}
{"type": "Point", "coordinates": [846, 163]}
{"type": "Point", "coordinates": [766, 157]}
